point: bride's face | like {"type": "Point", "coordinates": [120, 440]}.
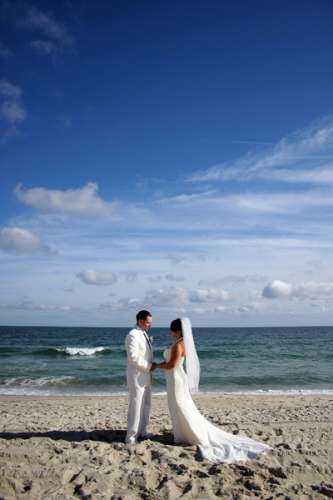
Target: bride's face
{"type": "Point", "coordinates": [175, 335]}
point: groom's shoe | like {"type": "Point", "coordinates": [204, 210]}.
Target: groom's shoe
{"type": "Point", "coordinates": [130, 442]}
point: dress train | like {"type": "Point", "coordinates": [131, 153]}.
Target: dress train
{"type": "Point", "coordinates": [190, 427]}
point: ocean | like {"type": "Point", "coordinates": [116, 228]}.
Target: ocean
{"type": "Point", "coordinates": [92, 361]}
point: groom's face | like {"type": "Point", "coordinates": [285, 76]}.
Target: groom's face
{"type": "Point", "coordinates": [146, 324]}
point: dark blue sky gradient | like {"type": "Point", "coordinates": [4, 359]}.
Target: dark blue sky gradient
{"type": "Point", "coordinates": [156, 89]}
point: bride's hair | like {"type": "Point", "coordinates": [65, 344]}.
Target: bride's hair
{"type": "Point", "coordinates": [176, 326]}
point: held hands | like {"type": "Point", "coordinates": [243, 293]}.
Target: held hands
{"type": "Point", "coordinates": [153, 366]}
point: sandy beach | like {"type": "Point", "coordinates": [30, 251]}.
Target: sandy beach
{"type": "Point", "coordinates": [73, 447]}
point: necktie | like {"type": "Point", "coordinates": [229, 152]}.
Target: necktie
{"type": "Point", "coordinates": [147, 339]}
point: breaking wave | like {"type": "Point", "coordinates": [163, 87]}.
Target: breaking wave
{"type": "Point", "coordinates": [73, 351]}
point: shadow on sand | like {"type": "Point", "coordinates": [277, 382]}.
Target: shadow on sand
{"type": "Point", "coordinates": [107, 436]}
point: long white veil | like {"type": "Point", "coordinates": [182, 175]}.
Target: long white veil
{"type": "Point", "coordinates": [192, 360]}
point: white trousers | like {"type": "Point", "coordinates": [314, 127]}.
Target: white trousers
{"type": "Point", "coordinates": [139, 403]}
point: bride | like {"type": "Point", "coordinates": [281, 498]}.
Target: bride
{"type": "Point", "coordinates": [189, 426]}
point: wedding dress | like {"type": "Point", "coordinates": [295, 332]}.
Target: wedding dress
{"type": "Point", "coordinates": [190, 427]}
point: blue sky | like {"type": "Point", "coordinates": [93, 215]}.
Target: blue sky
{"type": "Point", "coordinates": [177, 157]}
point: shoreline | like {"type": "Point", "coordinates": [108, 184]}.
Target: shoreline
{"type": "Point", "coordinates": [163, 394]}
{"type": "Point", "coordinates": [258, 392]}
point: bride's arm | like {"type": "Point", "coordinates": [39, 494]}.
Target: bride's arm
{"type": "Point", "coordinates": [177, 352]}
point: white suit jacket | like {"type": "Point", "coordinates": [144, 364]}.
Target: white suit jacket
{"type": "Point", "coordinates": [139, 358]}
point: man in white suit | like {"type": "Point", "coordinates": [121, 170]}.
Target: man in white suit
{"type": "Point", "coordinates": [139, 365]}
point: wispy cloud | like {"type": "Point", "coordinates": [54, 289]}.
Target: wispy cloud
{"type": "Point", "coordinates": [12, 112]}
{"type": "Point", "coordinates": [37, 20]}
{"type": "Point", "coordinates": [279, 203]}
{"type": "Point", "coordinates": [186, 198]}
{"type": "Point", "coordinates": [52, 35]}
{"type": "Point", "coordinates": [234, 280]}
{"type": "Point", "coordinates": [235, 310]}
{"type": "Point", "coordinates": [82, 201]}
{"type": "Point", "coordinates": [8, 89]}
{"type": "Point", "coordinates": [28, 305]}
{"type": "Point", "coordinates": [255, 200]}
{"type": "Point", "coordinates": [122, 304]}
{"type": "Point", "coordinates": [166, 297]}
{"type": "Point", "coordinates": [45, 47]}
{"type": "Point", "coordinates": [304, 151]}
{"type": "Point", "coordinates": [318, 175]}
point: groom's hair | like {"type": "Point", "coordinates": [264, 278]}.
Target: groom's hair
{"type": "Point", "coordinates": [142, 314]}
{"type": "Point", "coordinates": [176, 326]}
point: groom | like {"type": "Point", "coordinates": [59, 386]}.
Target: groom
{"type": "Point", "coordinates": [139, 365]}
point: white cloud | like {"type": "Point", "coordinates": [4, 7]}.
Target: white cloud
{"type": "Point", "coordinates": [237, 233]}
{"type": "Point", "coordinates": [310, 290]}
{"type": "Point", "coordinates": [208, 295]}
{"type": "Point", "coordinates": [8, 89]}
{"type": "Point", "coordinates": [278, 289]}
{"type": "Point", "coordinates": [84, 201]}
{"type": "Point", "coordinates": [16, 239]}
{"type": "Point", "coordinates": [98, 278]}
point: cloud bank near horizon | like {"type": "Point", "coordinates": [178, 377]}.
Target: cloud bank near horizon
{"type": "Point", "coordinates": [257, 255]}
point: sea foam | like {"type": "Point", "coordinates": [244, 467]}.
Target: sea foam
{"type": "Point", "coordinates": [82, 351]}
{"type": "Point", "coordinates": [37, 382]}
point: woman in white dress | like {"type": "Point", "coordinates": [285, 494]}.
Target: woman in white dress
{"type": "Point", "coordinates": [189, 426]}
